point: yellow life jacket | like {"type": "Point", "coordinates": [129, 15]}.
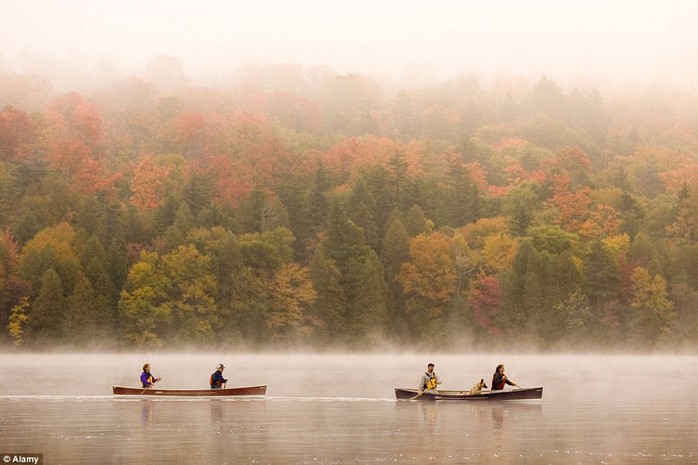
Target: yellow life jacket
{"type": "Point", "coordinates": [431, 384]}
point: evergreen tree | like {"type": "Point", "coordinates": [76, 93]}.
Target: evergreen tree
{"type": "Point", "coordinates": [223, 249]}
{"type": "Point", "coordinates": [398, 171]}
{"type": "Point", "coordinates": [464, 199]}
{"type": "Point", "coordinates": [198, 192]}
{"type": "Point", "coordinates": [252, 211]}
{"type": "Point", "coordinates": [345, 240]}
{"type": "Point", "coordinates": [416, 221]}
{"type": "Point", "coordinates": [533, 297]}
{"type": "Point", "coordinates": [116, 266]}
{"type": "Point", "coordinates": [184, 219]}
{"type": "Point", "coordinates": [601, 275]}
{"type": "Point", "coordinates": [48, 311]}
{"type": "Point", "coordinates": [577, 318]}
{"type": "Point", "coordinates": [28, 227]}
{"type": "Point", "coordinates": [331, 305]}
{"type": "Point", "coordinates": [379, 185]}
{"type": "Point", "coordinates": [396, 249]}
{"type": "Point", "coordinates": [167, 212]}
{"type": "Point", "coordinates": [361, 209]}
{"type": "Point", "coordinates": [275, 215]}
{"type": "Point", "coordinates": [293, 193]}
{"type": "Point", "coordinates": [370, 310]}
{"type": "Point", "coordinates": [90, 217]}
{"type": "Point", "coordinates": [85, 320]}
{"type": "Point", "coordinates": [317, 203]}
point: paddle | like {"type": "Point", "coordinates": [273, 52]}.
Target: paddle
{"type": "Point", "coordinates": [419, 394]}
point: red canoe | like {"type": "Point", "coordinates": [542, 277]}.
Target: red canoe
{"type": "Point", "coordinates": [156, 392]}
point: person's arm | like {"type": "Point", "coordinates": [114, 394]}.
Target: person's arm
{"type": "Point", "coordinates": [422, 382]}
{"type": "Point", "coordinates": [511, 383]}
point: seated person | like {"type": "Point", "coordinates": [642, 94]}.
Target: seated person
{"type": "Point", "coordinates": [147, 379]}
{"type": "Point", "coordinates": [429, 381]}
{"type": "Point", "coordinates": [216, 380]}
{"type": "Point", "coordinates": [499, 379]}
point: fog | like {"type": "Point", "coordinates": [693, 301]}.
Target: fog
{"type": "Point", "coordinates": [623, 40]}
{"type": "Point", "coordinates": [329, 409]}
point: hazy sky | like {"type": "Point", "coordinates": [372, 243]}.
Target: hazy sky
{"type": "Point", "coordinates": [615, 39]}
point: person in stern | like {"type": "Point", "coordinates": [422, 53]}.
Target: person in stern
{"type": "Point", "coordinates": [499, 379]}
{"type": "Point", "coordinates": [216, 380]}
{"type": "Point", "coordinates": [429, 381]}
{"type": "Point", "coordinates": [147, 379]}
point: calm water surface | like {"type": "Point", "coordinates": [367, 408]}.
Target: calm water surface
{"type": "Point", "coordinates": [340, 409]}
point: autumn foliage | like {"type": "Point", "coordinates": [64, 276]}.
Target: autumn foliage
{"type": "Point", "coordinates": [300, 206]}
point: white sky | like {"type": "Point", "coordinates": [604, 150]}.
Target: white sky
{"type": "Point", "coordinates": [617, 39]}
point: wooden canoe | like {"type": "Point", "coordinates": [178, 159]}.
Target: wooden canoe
{"type": "Point", "coordinates": [156, 392]}
{"type": "Point", "coordinates": [513, 394]}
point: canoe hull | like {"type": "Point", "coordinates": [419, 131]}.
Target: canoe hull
{"type": "Point", "coordinates": [155, 392]}
{"type": "Point", "coordinates": [514, 394]}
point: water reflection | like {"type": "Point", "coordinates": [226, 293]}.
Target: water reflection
{"type": "Point", "coordinates": [146, 412]}
{"type": "Point", "coordinates": [216, 412]}
{"type": "Point", "coordinates": [429, 411]}
{"type": "Point", "coordinates": [498, 417]}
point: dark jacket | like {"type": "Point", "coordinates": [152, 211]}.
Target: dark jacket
{"type": "Point", "coordinates": [498, 381]}
{"type": "Point", "coordinates": [217, 380]}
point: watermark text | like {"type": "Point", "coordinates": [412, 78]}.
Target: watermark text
{"type": "Point", "coordinates": [33, 459]}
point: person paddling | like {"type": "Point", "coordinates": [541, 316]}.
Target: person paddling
{"type": "Point", "coordinates": [147, 379]}
{"type": "Point", "coordinates": [499, 379]}
{"type": "Point", "coordinates": [216, 380]}
{"type": "Point", "coordinates": [429, 381]}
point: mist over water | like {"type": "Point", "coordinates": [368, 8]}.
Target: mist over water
{"type": "Point", "coordinates": [340, 409]}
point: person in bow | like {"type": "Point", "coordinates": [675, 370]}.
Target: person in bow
{"type": "Point", "coordinates": [147, 378]}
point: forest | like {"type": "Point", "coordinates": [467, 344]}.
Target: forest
{"type": "Point", "coordinates": [292, 206]}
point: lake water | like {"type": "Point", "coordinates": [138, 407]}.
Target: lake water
{"type": "Point", "coordinates": [340, 409]}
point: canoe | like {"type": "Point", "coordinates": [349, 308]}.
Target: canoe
{"type": "Point", "coordinates": [513, 394]}
{"type": "Point", "coordinates": [155, 392]}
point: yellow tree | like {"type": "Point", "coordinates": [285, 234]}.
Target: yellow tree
{"type": "Point", "coordinates": [141, 305]}
{"type": "Point", "coordinates": [172, 296]}
{"type": "Point", "coordinates": [498, 253]}
{"type": "Point", "coordinates": [429, 277]}
{"type": "Point", "coordinates": [191, 293]}
{"type": "Point", "coordinates": [484, 247]}
{"type": "Point", "coordinates": [15, 325]}
{"type": "Point", "coordinates": [476, 233]}
{"type": "Point", "coordinates": [653, 313]}
{"type": "Point", "coordinates": [57, 247]}
{"type": "Point", "coordinates": [291, 290]}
